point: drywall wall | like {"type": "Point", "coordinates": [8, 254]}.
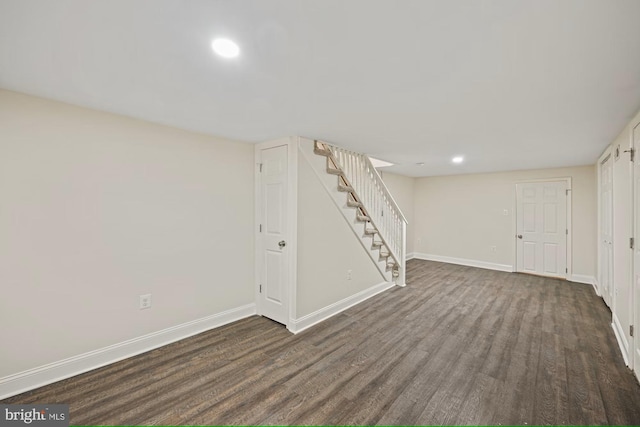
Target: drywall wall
{"type": "Point", "coordinates": [402, 190]}
{"type": "Point", "coordinates": [327, 249]}
{"type": "Point", "coordinates": [462, 216]}
{"type": "Point", "coordinates": [97, 209]}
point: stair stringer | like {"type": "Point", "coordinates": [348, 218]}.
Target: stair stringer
{"type": "Point", "coordinates": [329, 182]}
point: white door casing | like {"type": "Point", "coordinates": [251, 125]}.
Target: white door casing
{"type": "Point", "coordinates": [606, 229]}
{"type": "Point", "coordinates": [542, 228]}
{"type": "Point", "coordinates": [634, 360]}
{"type": "Point", "coordinates": [274, 238]}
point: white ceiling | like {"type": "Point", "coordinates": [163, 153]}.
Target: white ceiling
{"type": "Point", "coordinates": [508, 84]}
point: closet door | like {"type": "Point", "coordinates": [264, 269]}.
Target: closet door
{"type": "Point", "coordinates": [634, 343]}
{"type": "Point", "coordinates": [606, 229]}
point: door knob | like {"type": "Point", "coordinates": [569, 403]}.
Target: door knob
{"type": "Point", "coordinates": [282, 243]}
{"type": "Point", "coordinates": [519, 236]}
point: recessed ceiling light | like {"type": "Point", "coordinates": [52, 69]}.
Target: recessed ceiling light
{"type": "Point", "coordinates": [457, 159]}
{"type": "Point", "coordinates": [420, 164]}
{"type": "Point", "coordinates": [225, 48]}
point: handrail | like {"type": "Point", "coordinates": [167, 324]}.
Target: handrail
{"type": "Point", "coordinates": [377, 202]}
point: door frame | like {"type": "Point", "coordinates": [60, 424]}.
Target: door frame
{"type": "Point", "coordinates": [634, 358]}
{"type": "Point", "coordinates": [607, 152]}
{"type": "Point", "coordinates": [292, 219]}
{"type": "Point", "coordinates": [567, 179]}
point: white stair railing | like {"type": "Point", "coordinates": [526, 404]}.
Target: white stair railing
{"type": "Point", "coordinates": [378, 204]}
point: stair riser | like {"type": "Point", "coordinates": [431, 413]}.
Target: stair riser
{"type": "Point", "coordinates": [345, 202]}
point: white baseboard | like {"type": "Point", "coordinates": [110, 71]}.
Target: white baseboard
{"type": "Point", "coordinates": [582, 278]}
{"type": "Point", "coordinates": [586, 279]}
{"type": "Point", "coordinates": [410, 255]}
{"type": "Point", "coordinates": [56, 371]}
{"type": "Point", "coordinates": [462, 261]}
{"type": "Point", "coordinates": [299, 325]}
{"type": "Point", "coordinates": [596, 286]}
{"type": "Point", "coordinates": [621, 338]}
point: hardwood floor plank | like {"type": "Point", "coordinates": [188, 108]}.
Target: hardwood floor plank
{"type": "Point", "coordinates": [373, 401]}
{"type": "Point", "coordinates": [481, 403]}
{"type": "Point", "coordinates": [585, 402]}
{"type": "Point", "coordinates": [551, 403]}
{"type": "Point", "coordinates": [457, 345]}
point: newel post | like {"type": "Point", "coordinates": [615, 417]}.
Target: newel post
{"type": "Point", "coordinates": [401, 279]}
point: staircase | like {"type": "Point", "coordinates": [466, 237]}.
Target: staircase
{"type": "Point", "coordinates": [375, 213]}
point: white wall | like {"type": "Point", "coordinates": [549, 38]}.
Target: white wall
{"type": "Point", "coordinates": [461, 216]}
{"type": "Point", "coordinates": [327, 248]}
{"type": "Point", "coordinates": [96, 209]}
{"type": "Point", "coordinates": [402, 189]}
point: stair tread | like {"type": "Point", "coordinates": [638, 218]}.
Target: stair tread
{"type": "Point", "coordinates": [318, 149]}
{"type": "Point", "coordinates": [353, 201]}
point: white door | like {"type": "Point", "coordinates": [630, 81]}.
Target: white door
{"type": "Point", "coordinates": [274, 266]}
{"type": "Point", "coordinates": [541, 228]}
{"type": "Point", "coordinates": [606, 229]}
{"type": "Point", "coordinates": [635, 293]}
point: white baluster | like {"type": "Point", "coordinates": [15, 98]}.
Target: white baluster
{"type": "Point", "coordinates": [378, 202]}
{"type": "Point", "coordinates": [357, 175]}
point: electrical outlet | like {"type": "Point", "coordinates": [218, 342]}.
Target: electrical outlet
{"type": "Point", "coordinates": [505, 212]}
{"type": "Point", "coordinates": [494, 249]}
{"type": "Point", "coordinates": [145, 301]}
{"type": "Point", "coordinates": [348, 274]}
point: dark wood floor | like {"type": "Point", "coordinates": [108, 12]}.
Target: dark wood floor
{"type": "Point", "coordinates": [458, 345]}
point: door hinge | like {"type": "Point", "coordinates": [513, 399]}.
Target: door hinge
{"type": "Point", "coordinates": [632, 153]}
{"type": "Point", "coordinates": [631, 330]}
{"type": "Point", "coordinates": [566, 270]}
{"type": "Point", "coordinates": [260, 228]}
{"type": "Point", "coordinates": [260, 164]}
{"type": "Point", "coordinates": [632, 242]}
{"type": "Point", "coordinates": [566, 231]}
{"type": "Point", "coordinates": [260, 288]}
